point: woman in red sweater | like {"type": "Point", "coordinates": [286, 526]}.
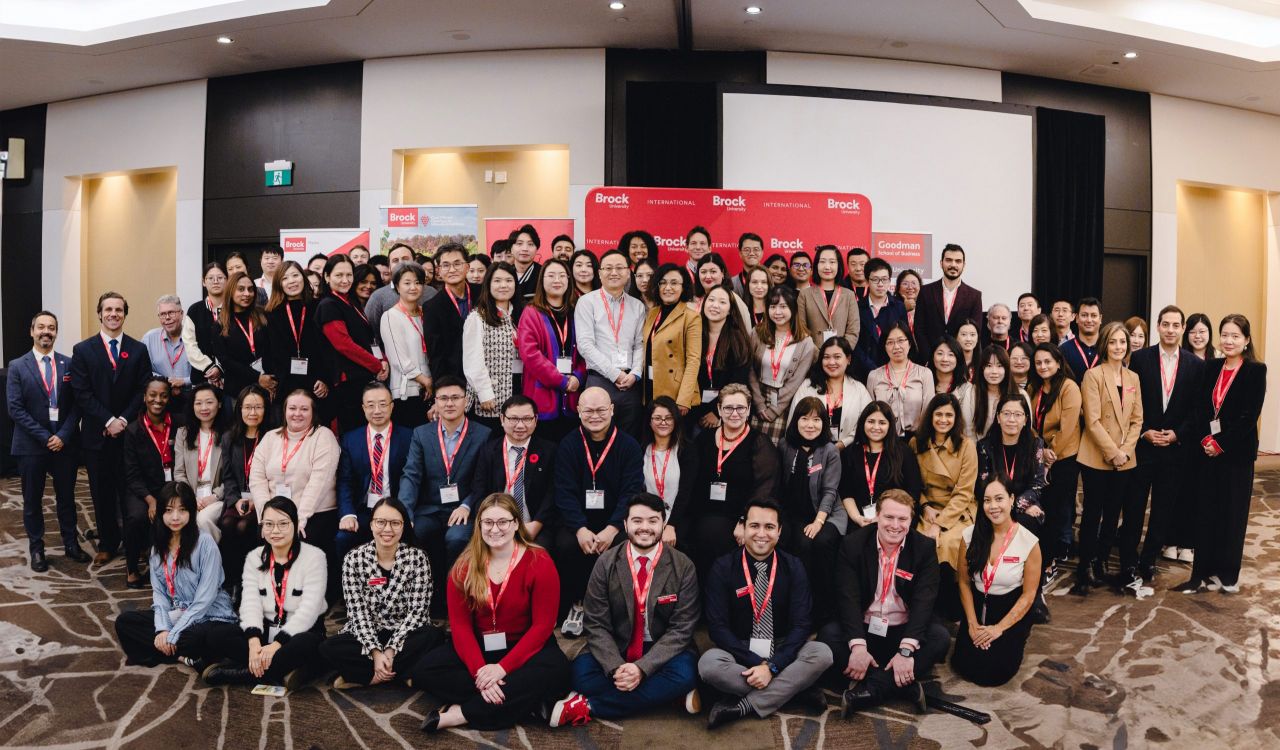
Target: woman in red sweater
{"type": "Point", "coordinates": [357, 360]}
{"type": "Point", "coordinates": [503, 595]}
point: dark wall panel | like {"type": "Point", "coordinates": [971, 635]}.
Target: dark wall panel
{"type": "Point", "coordinates": [20, 241]}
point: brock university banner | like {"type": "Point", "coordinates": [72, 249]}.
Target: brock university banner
{"type": "Point", "coordinates": [787, 221]}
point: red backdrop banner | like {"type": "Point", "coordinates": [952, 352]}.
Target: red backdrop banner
{"type": "Point", "coordinates": [548, 229]}
{"type": "Point", "coordinates": [786, 221]}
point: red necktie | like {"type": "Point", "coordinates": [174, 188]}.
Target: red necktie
{"type": "Point", "coordinates": [635, 649]}
{"type": "Point", "coordinates": [375, 482]}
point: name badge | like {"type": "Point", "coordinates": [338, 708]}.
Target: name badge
{"type": "Point", "coordinates": [373, 499]}
{"type": "Point", "coordinates": [1215, 427]}
{"type": "Point", "coordinates": [835, 434]}
{"type": "Point", "coordinates": [878, 626]}
{"type": "Point", "coordinates": [449, 494]}
{"type": "Point", "coordinates": [905, 575]}
{"type": "Point", "coordinates": [270, 691]}
{"type": "Point", "coordinates": [168, 473]}
{"type": "Point", "coordinates": [246, 495]}
{"type": "Point", "coordinates": [283, 490]}
{"type": "Point", "coordinates": [869, 511]}
{"type": "Point", "coordinates": [815, 469]}
{"type": "Point", "coordinates": [669, 599]}
{"type": "Point", "coordinates": [1010, 558]}
{"type": "Point", "coordinates": [773, 395]}
{"type": "Point", "coordinates": [272, 632]}
{"type": "Point", "coordinates": [564, 365]}
{"type": "Point", "coordinates": [718, 491]}
{"type": "Point", "coordinates": [595, 499]}
{"type": "Point", "coordinates": [650, 373]}
{"type": "Point", "coordinates": [710, 395]}
{"type": "Point", "coordinates": [742, 592]}
{"type": "Point", "coordinates": [204, 490]}
{"type": "Point", "coordinates": [762, 647]}
{"type": "Point", "coordinates": [828, 334]}
{"type": "Point", "coordinates": [378, 581]}
{"type": "Point", "coordinates": [377, 351]}
{"type": "Point", "coordinates": [298, 366]}
{"type": "Point", "coordinates": [622, 360]}
{"type": "Point", "coordinates": [517, 366]}
{"type": "Point", "coordinates": [495, 641]}
{"type": "Point", "coordinates": [257, 365]}
{"type": "Point", "coordinates": [53, 414]}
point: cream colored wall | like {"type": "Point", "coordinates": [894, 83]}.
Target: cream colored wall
{"type": "Point", "coordinates": [128, 225]}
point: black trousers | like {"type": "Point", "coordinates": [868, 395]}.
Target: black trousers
{"type": "Point", "coordinates": [712, 537]}
{"type": "Point", "coordinates": [105, 467]}
{"type": "Point", "coordinates": [1059, 501]}
{"type": "Point", "coordinates": [342, 652]}
{"type": "Point", "coordinates": [322, 532]}
{"type": "Point", "coordinates": [999, 663]}
{"type": "Point", "coordinates": [1160, 475]}
{"type": "Point", "coordinates": [35, 470]}
{"type": "Point", "coordinates": [1226, 492]}
{"type": "Point", "coordinates": [819, 558]}
{"type": "Point", "coordinates": [240, 536]}
{"type": "Point", "coordinates": [1184, 530]}
{"type": "Point", "coordinates": [136, 631]}
{"type": "Point", "coordinates": [879, 680]}
{"type": "Point", "coordinates": [574, 566]}
{"type": "Point", "coordinates": [1105, 496]}
{"type": "Point", "coordinates": [347, 404]}
{"type": "Point", "coordinates": [137, 531]}
{"type": "Point", "coordinates": [301, 651]}
{"type": "Point", "coordinates": [442, 674]}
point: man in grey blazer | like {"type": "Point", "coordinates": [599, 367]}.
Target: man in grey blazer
{"type": "Point", "coordinates": [641, 608]}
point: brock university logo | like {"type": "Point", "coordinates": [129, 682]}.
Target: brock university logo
{"type": "Point", "coordinates": [839, 205]}
{"type": "Point", "coordinates": [295, 244]}
{"type": "Point", "coordinates": [402, 217]}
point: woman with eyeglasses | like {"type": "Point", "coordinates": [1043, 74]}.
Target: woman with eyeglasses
{"type": "Point", "coordinates": [877, 459]}
{"type": "Point", "coordinates": [669, 469]}
{"type": "Point", "coordinates": [830, 379]}
{"type": "Point", "coordinates": [783, 354]}
{"type": "Point", "coordinates": [554, 370]}
{"type": "Point", "coordinates": [907, 289]}
{"type": "Point", "coordinates": [672, 340]}
{"type": "Point", "coordinates": [726, 356]}
{"type": "Point", "coordinates": [489, 359]}
{"type": "Point", "coordinates": [949, 376]}
{"type": "Point", "coordinates": [239, 522]}
{"type": "Point", "coordinates": [282, 610]}
{"type": "Point", "coordinates": [1197, 337]}
{"type": "Point", "coordinates": [386, 584]}
{"type": "Point", "coordinates": [901, 383]}
{"type": "Point", "coordinates": [342, 319]}
{"type": "Point", "coordinates": [1012, 450]}
{"type": "Point", "coordinates": [504, 591]}
{"type": "Point", "coordinates": [200, 324]}
{"type": "Point", "coordinates": [995, 380]}
{"type": "Point", "coordinates": [828, 309]}
{"type": "Point", "coordinates": [1020, 365]}
{"type": "Point", "coordinates": [1055, 417]}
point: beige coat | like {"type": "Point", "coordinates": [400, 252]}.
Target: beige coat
{"type": "Point", "coordinates": [1112, 424]}
{"type": "Point", "coordinates": [676, 349]}
{"type": "Point", "coordinates": [844, 320]}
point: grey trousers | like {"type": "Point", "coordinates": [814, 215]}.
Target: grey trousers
{"type": "Point", "coordinates": [720, 670]}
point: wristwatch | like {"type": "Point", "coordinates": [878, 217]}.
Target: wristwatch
{"type": "Point", "coordinates": [906, 652]}
{"type": "Point", "coordinates": [773, 668]}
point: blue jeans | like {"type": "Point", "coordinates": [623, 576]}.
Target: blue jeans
{"type": "Point", "coordinates": [666, 686]}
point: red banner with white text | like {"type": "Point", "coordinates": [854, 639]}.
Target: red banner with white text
{"type": "Point", "coordinates": [787, 221]}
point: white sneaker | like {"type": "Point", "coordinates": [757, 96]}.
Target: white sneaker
{"type": "Point", "coordinates": [1213, 583]}
{"type": "Point", "coordinates": [1231, 589]}
{"type": "Point", "coordinates": [572, 625]}
{"type": "Point", "coordinates": [1186, 555]}
{"type": "Point", "coordinates": [1169, 553]}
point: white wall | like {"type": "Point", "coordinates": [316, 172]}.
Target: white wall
{"type": "Point", "coordinates": [874, 74]}
{"type": "Point", "coordinates": [135, 130]}
{"type": "Point", "coordinates": [482, 99]}
{"type": "Point", "coordinates": [1214, 145]}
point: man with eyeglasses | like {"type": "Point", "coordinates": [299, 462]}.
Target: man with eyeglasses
{"type": "Point", "coordinates": [443, 315]}
{"type": "Point", "coordinates": [369, 467]}
{"type": "Point", "coordinates": [168, 355]}
{"type": "Point", "coordinates": [751, 251]}
{"type": "Point", "coordinates": [521, 465]}
{"type": "Point", "coordinates": [438, 485]}
{"type": "Point", "coordinates": [597, 467]}
{"type": "Point", "coordinates": [609, 324]}
{"type": "Point", "coordinates": [877, 311]}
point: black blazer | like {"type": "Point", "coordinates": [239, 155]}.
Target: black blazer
{"type": "Point", "coordinates": [235, 482]}
{"type": "Point", "coordinates": [443, 329]}
{"type": "Point", "coordinates": [103, 393]}
{"type": "Point", "coordinates": [930, 309]}
{"type": "Point", "coordinates": [143, 471]}
{"type": "Point", "coordinates": [234, 355]}
{"type": "Point", "coordinates": [857, 575]}
{"type": "Point", "coordinates": [282, 348]}
{"type": "Point", "coordinates": [729, 613]}
{"type": "Point", "coordinates": [206, 328]}
{"type": "Point", "coordinates": [539, 473]}
{"type": "Point", "coordinates": [853, 475]}
{"type": "Point", "coordinates": [1240, 411]}
{"type": "Point", "coordinates": [1180, 416]}
{"type": "Point", "coordinates": [751, 473]}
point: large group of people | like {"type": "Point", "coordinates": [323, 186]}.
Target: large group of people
{"type": "Point", "coordinates": [822, 464]}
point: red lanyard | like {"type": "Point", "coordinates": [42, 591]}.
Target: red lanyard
{"type": "Point", "coordinates": [831, 408]}
{"type": "Point", "coordinates": [887, 567]}
{"type": "Point", "coordinates": [1221, 387]}
{"type": "Point", "coordinates": [562, 332]}
{"type": "Point", "coordinates": [594, 467]}
{"type": "Point", "coordinates": [213, 311]}
{"type": "Point", "coordinates": [831, 306]}
{"type": "Point", "coordinates": [173, 358]}
{"type": "Point", "coordinates": [758, 612]}
{"type": "Point", "coordinates": [416, 325]}
{"type": "Point", "coordinates": [659, 480]}
{"type": "Point", "coordinates": [1167, 382]}
{"type": "Point", "coordinates": [1008, 468]}
{"type": "Point", "coordinates": [622, 311]}
{"type": "Point", "coordinates": [202, 456]}
{"type": "Point", "coordinates": [722, 455]}
{"type": "Point", "coordinates": [170, 575]}
{"type": "Point", "coordinates": [282, 592]}
{"type": "Point", "coordinates": [108, 350]}
{"type": "Point", "coordinates": [642, 595]}
{"type": "Point", "coordinates": [162, 445]}
{"type": "Point", "coordinates": [297, 331]}
{"type": "Point", "coordinates": [906, 375]}
{"type": "Point", "coordinates": [657, 321]}
{"type": "Point", "coordinates": [1088, 364]}
{"type": "Point", "coordinates": [515, 560]}
{"type": "Point", "coordinates": [248, 334]}
{"type": "Point", "coordinates": [1042, 410]}
{"type": "Point", "coordinates": [359, 312]}
{"type": "Point", "coordinates": [454, 299]}
{"type": "Point", "coordinates": [285, 455]}
{"type": "Point", "coordinates": [375, 469]}
{"type": "Point", "coordinates": [776, 355]}
{"type": "Point", "coordinates": [711, 355]}
{"type": "Point", "coordinates": [871, 471]}
{"type": "Point", "coordinates": [248, 457]}
{"type": "Point", "coordinates": [989, 570]}
{"type": "Point", "coordinates": [512, 476]}
{"type": "Point", "coordinates": [448, 457]}
{"type": "Point", "coordinates": [53, 373]}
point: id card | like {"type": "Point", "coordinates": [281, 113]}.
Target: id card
{"type": "Point", "coordinates": [53, 414]}
{"type": "Point", "coordinates": [773, 398]}
{"type": "Point", "coordinates": [449, 494]}
{"type": "Point", "coordinates": [878, 626]}
{"type": "Point", "coordinates": [517, 366]}
{"type": "Point", "coordinates": [373, 499]}
{"type": "Point", "coordinates": [270, 691]}
{"type": "Point", "coordinates": [495, 641]}
{"type": "Point", "coordinates": [284, 490]}
{"type": "Point", "coordinates": [595, 499]}
{"type": "Point", "coordinates": [564, 365]}
{"type": "Point", "coordinates": [273, 632]}
{"type": "Point", "coordinates": [719, 490]}
{"type": "Point", "coordinates": [622, 360]}
{"type": "Point", "coordinates": [204, 490]}
{"type": "Point", "coordinates": [1215, 426]}
{"type": "Point", "coordinates": [257, 365]}
{"type": "Point", "coordinates": [762, 647]}
{"type": "Point", "coordinates": [869, 511]}
{"type": "Point", "coordinates": [828, 334]}
{"type": "Point", "coordinates": [168, 473]}
{"type": "Point", "coordinates": [298, 366]}
{"type": "Point", "coordinates": [710, 395]}
{"type": "Point", "coordinates": [377, 351]}
{"type": "Point", "coordinates": [650, 373]}
{"type": "Point", "coordinates": [175, 615]}
{"type": "Point", "coordinates": [835, 434]}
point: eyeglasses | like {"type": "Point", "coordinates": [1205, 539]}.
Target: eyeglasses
{"type": "Point", "coordinates": [276, 525]}
{"type": "Point", "coordinates": [449, 399]}
{"type": "Point", "coordinates": [662, 420]}
{"type": "Point", "coordinates": [671, 282]}
{"type": "Point", "coordinates": [168, 313]}
{"type": "Point", "coordinates": [800, 265]}
{"type": "Point", "coordinates": [734, 409]}
{"type": "Point", "coordinates": [1012, 415]}
{"type": "Point", "coordinates": [521, 420]}
{"type": "Point", "coordinates": [613, 269]}
{"type": "Point", "coordinates": [381, 524]}
{"type": "Point", "coordinates": [501, 524]}
{"type": "Point", "coordinates": [601, 412]}
{"type": "Point", "coordinates": [458, 264]}
{"type": "Point", "coordinates": [879, 279]}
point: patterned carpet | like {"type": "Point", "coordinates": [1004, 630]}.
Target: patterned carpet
{"type": "Point", "coordinates": [1171, 671]}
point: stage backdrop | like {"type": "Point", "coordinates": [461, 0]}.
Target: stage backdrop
{"type": "Point", "coordinates": [425, 228]}
{"type": "Point", "coordinates": [548, 229]}
{"type": "Point", "coordinates": [786, 221]}
{"type": "Point", "coordinates": [301, 244]}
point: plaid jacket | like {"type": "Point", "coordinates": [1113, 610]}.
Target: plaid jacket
{"type": "Point", "coordinates": [398, 605]}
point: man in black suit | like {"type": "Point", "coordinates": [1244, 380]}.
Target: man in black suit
{"type": "Point", "coordinates": [108, 373]}
{"type": "Point", "coordinates": [885, 638]}
{"type": "Point", "coordinates": [443, 314]}
{"type": "Point", "coordinates": [45, 425]}
{"type": "Point", "coordinates": [522, 466]}
{"type": "Point", "coordinates": [1169, 377]}
{"type": "Point", "coordinates": [945, 304]}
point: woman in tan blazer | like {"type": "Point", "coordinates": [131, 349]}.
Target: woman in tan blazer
{"type": "Point", "coordinates": [1055, 417]}
{"type": "Point", "coordinates": [827, 308]}
{"type": "Point", "coordinates": [1112, 406]}
{"type": "Point", "coordinates": [782, 355]}
{"type": "Point", "coordinates": [673, 340]}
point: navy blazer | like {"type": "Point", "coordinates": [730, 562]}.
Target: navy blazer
{"type": "Point", "coordinates": [730, 616]}
{"type": "Point", "coordinates": [1180, 416]}
{"type": "Point", "coordinates": [354, 473]}
{"type": "Point", "coordinates": [424, 470]}
{"type": "Point", "coordinates": [869, 352]}
{"type": "Point", "coordinates": [103, 393]}
{"type": "Point", "coordinates": [491, 475]}
{"type": "Point", "coordinates": [28, 405]}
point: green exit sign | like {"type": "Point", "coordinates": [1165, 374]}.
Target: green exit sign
{"type": "Point", "coordinates": [279, 173]}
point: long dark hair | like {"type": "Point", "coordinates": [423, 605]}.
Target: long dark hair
{"type": "Point", "coordinates": [253, 313]}
{"type": "Point", "coordinates": [539, 301]}
{"type": "Point", "coordinates": [983, 532]}
{"type": "Point", "coordinates": [668, 403]}
{"type": "Point", "coordinates": [818, 376]}
{"type": "Point", "coordinates": [926, 434]}
{"type": "Point", "coordinates": [193, 422]}
{"type": "Point", "coordinates": [237, 421]}
{"type": "Point", "coordinates": [958, 375]}
{"type": "Point", "coordinates": [189, 537]}
{"type": "Point", "coordinates": [286, 506]}
{"type": "Point", "coordinates": [1035, 383]}
{"type": "Point", "coordinates": [1194, 320]}
{"type": "Point", "coordinates": [712, 259]}
{"type": "Point", "coordinates": [1249, 354]}
{"type": "Point", "coordinates": [892, 448]}
{"type": "Point", "coordinates": [487, 306]}
{"type": "Point", "coordinates": [767, 331]}
{"type": "Point", "coordinates": [278, 296]}
{"type": "Point", "coordinates": [734, 344]}
{"type": "Point", "coordinates": [980, 384]}
{"type": "Point", "coordinates": [1024, 452]}
{"type": "Point", "coordinates": [809, 405]}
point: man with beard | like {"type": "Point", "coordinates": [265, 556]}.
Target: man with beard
{"type": "Point", "coordinates": [946, 303]}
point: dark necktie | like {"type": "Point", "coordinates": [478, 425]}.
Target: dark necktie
{"type": "Point", "coordinates": [48, 378]}
{"type": "Point", "coordinates": [762, 628]}
{"type": "Point", "coordinates": [518, 490]}
{"type": "Point", "coordinates": [635, 649]}
{"type": "Point", "coordinates": [115, 354]}
{"type": "Point", "coordinates": [375, 482]}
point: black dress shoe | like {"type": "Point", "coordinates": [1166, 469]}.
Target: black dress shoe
{"type": "Point", "coordinates": [812, 699]}
{"type": "Point", "coordinates": [431, 724]}
{"type": "Point", "coordinates": [915, 693]}
{"type": "Point", "coordinates": [1040, 610]}
{"type": "Point", "coordinates": [857, 699]}
{"type": "Point", "coordinates": [75, 554]}
{"type": "Point", "coordinates": [1099, 570]}
{"type": "Point", "coordinates": [1083, 584]}
{"type": "Point", "coordinates": [1147, 571]}
{"type": "Point", "coordinates": [137, 581]}
{"type": "Point", "coordinates": [38, 563]}
{"type": "Point", "coordinates": [723, 713]}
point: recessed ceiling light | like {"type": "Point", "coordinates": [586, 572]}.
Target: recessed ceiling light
{"type": "Point", "coordinates": [1130, 55]}
{"type": "Point", "coordinates": [617, 6]}
{"type": "Point", "coordinates": [225, 40]}
{"type": "Point", "coordinates": [754, 10]}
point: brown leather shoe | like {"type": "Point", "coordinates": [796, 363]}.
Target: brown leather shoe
{"type": "Point", "coordinates": [102, 558]}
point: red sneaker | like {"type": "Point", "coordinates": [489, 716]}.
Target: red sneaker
{"type": "Point", "coordinates": [573, 709]}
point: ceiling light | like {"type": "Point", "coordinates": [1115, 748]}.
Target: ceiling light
{"type": "Point", "coordinates": [617, 6]}
{"type": "Point", "coordinates": [1130, 55]}
{"type": "Point", "coordinates": [753, 10]}
{"type": "Point", "coordinates": [225, 40]}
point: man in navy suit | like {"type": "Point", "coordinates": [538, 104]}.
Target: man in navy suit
{"type": "Point", "coordinates": [379, 448]}
{"type": "Point", "coordinates": [45, 424]}
{"type": "Point", "coordinates": [108, 373]}
{"type": "Point", "coordinates": [946, 303]}
{"type": "Point", "coordinates": [521, 465]}
{"type": "Point", "coordinates": [878, 311]}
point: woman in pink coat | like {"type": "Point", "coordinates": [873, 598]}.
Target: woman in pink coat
{"type": "Point", "coordinates": [554, 371]}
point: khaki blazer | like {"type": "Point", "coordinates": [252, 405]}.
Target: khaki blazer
{"type": "Point", "coordinates": [845, 320]}
{"type": "Point", "coordinates": [1111, 424]}
{"type": "Point", "coordinates": [1061, 428]}
{"type": "Point", "coordinates": [949, 478]}
{"type": "Point", "coordinates": [676, 351]}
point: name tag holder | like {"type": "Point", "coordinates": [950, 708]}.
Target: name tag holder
{"type": "Point", "coordinates": [827, 335]}
{"type": "Point", "coordinates": [564, 365]}
{"type": "Point", "coordinates": [168, 473]}
{"type": "Point", "coordinates": [622, 360]}
{"type": "Point", "coordinates": [595, 499]}
{"type": "Point", "coordinates": [719, 491]}
{"type": "Point", "coordinates": [257, 365]}
{"type": "Point", "coordinates": [517, 366]}
{"type": "Point", "coordinates": [1215, 426]}
{"type": "Point", "coordinates": [373, 499]}
{"type": "Point", "coordinates": [377, 351]}
{"type": "Point", "coordinates": [449, 494]}
{"type": "Point", "coordinates": [283, 490]}
{"type": "Point", "coordinates": [298, 366]}
{"type": "Point", "coordinates": [53, 414]}
{"type": "Point", "coordinates": [495, 642]}
{"type": "Point", "coordinates": [761, 647]}
{"type": "Point", "coordinates": [879, 625]}
{"type": "Point", "coordinates": [710, 395]}
{"type": "Point", "coordinates": [204, 490]}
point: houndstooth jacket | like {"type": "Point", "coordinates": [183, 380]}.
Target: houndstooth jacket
{"type": "Point", "coordinates": [399, 605]}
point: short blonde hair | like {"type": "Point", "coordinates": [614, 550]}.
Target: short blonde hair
{"type": "Point", "coordinates": [734, 389]}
